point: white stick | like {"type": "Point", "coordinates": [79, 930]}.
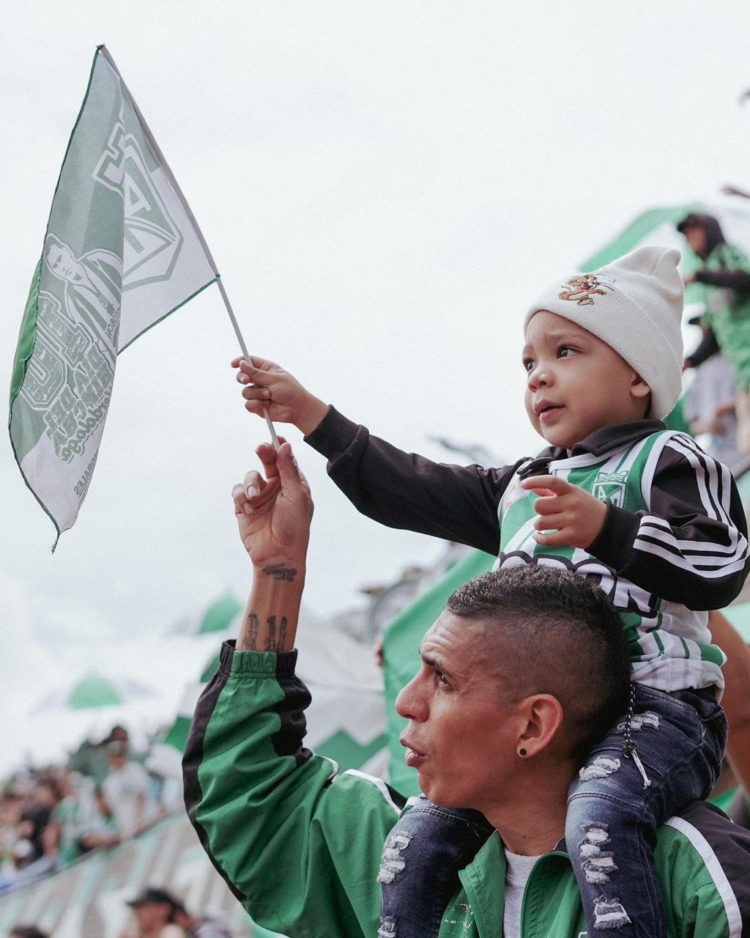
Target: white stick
{"type": "Point", "coordinates": [246, 356]}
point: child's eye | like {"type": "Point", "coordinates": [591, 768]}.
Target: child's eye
{"type": "Point", "coordinates": [528, 364]}
{"type": "Point", "coordinates": [565, 350]}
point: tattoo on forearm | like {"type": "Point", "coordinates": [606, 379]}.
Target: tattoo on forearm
{"type": "Point", "coordinates": [251, 631]}
{"type": "Point", "coordinates": [280, 572]}
{"type": "Point", "coordinates": [273, 642]}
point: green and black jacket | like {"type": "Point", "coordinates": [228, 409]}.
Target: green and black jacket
{"type": "Point", "coordinates": [300, 844]}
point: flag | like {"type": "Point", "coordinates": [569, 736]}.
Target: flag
{"type": "Point", "coordinates": [122, 250]}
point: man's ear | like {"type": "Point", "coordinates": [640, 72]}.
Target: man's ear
{"type": "Point", "coordinates": [543, 715]}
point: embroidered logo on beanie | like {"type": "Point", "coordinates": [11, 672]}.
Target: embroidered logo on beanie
{"type": "Point", "coordinates": [582, 290]}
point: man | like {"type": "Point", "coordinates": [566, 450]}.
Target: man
{"type": "Point", "coordinates": [153, 910]}
{"type": "Point", "coordinates": [199, 926]}
{"type": "Point", "coordinates": [128, 792]}
{"type": "Point", "coordinates": [498, 721]}
{"type": "Point", "coordinates": [725, 275]}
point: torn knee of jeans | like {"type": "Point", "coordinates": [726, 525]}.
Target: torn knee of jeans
{"type": "Point", "coordinates": [393, 861]}
{"type": "Point", "coordinates": [609, 913]}
{"type": "Point", "coordinates": [598, 864]}
{"type": "Point", "coordinates": [600, 767]}
{"type": "Point", "coordinates": [599, 869]}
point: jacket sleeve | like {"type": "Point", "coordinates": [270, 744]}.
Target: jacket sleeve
{"type": "Point", "coordinates": [691, 546]}
{"type": "Point", "coordinates": [407, 491]}
{"type": "Point", "coordinates": [707, 347]}
{"type": "Point", "coordinates": [298, 844]}
{"type": "Point", "coordinates": [734, 279]}
{"type": "Point", "coordinates": [702, 860]}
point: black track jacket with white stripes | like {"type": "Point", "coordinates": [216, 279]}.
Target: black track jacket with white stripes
{"type": "Point", "coordinates": [689, 548]}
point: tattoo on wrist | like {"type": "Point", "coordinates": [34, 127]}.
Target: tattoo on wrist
{"type": "Point", "coordinates": [274, 642]}
{"type": "Point", "coordinates": [280, 572]}
{"type": "Point", "coordinates": [275, 636]}
{"type": "Point", "coordinates": [253, 627]}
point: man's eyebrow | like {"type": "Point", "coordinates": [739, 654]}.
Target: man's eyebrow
{"type": "Point", "coordinates": [435, 663]}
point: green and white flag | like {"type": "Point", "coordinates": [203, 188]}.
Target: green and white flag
{"type": "Point", "coordinates": [122, 251]}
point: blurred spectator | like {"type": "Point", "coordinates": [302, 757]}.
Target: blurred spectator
{"type": "Point", "coordinates": [709, 406]}
{"type": "Point", "coordinates": [153, 909]}
{"type": "Point", "coordinates": [90, 758]}
{"type": "Point", "coordinates": [128, 792]}
{"type": "Point", "coordinates": [35, 818]}
{"type": "Point", "coordinates": [725, 275]}
{"type": "Point", "coordinates": [205, 926]}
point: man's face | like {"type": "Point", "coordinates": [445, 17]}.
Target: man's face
{"type": "Point", "coordinates": [576, 383]}
{"type": "Point", "coordinates": [460, 737]}
{"type": "Point", "coordinates": [61, 261]}
{"type": "Point", "coordinates": [696, 238]}
{"type": "Point", "coordinates": [151, 915]}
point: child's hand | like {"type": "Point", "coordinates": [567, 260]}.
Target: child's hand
{"type": "Point", "coordinates": [269, 387]}
{"type": "Point", "coordinates": [569, 516]}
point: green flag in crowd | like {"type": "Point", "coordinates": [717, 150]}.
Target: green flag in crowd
{"type": "Point", "coordinates": [122, 250]}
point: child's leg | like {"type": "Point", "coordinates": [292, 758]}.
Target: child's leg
{"type": "Point", "coordinates": [419, 870]}
{"type": "Point", "coordinates": [619, 800]}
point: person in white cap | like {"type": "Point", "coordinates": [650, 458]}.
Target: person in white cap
{"type": "Point", "coordinates": [617, 498]}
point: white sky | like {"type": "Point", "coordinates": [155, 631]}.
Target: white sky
{"type": "Point", "coordinates": [384, 187]}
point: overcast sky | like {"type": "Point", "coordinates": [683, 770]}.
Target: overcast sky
{"type": "Point", "coordinates": [384, 187]}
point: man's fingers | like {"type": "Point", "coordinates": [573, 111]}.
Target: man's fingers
{"type": "Point", "coordinates": [239, 498]}
{"type": "Point", "coordinates": [253, 483]}
{"type": "Point", "coordinates": [289, 471]}
{"type": "Point", "coordinates": [268, 455]}
{"type": "Point", "coordinates": [287, 466]}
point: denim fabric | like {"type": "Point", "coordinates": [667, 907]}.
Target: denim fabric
{"type": "Point", "coordinates": [612, 814]}
{"type": "Point", "coordinates": [419, 872]}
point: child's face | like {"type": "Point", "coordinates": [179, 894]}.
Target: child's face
{"type": "Point", "coordinates": [575, 382]}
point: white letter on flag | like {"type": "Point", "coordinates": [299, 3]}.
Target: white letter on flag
{"type": "Point", "coordinates": [122, 251]}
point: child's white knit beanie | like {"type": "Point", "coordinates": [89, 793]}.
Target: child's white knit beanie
{"type": "Point", "coordinates": [634, 305]}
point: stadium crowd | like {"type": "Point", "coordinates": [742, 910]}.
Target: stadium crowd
{"type": "Point", "coordinates": [51, 816]}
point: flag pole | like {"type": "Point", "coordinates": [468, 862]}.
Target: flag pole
{"type": "Point", "coordinates": [104, 52]}
{"type": "Point", "coordinates": [246, 355]}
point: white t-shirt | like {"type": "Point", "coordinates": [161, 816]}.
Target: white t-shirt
{"type": "Point", "coordinates": [517, 872]}
{"type": "Point", "coordinates": [123, 788]}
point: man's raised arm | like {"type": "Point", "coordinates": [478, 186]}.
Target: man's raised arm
{"type": "Point", "coordinates": [273, 516]}
{"type": "Point", "coordinates": [298, 843]}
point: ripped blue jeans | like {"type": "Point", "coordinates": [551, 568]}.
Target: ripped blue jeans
{"type": "Point", "coordinates": [618, 801]}
{"type": "Point", "coordinates": [612, 816]}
